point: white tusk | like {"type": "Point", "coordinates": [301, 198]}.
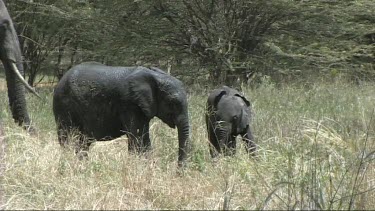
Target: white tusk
{"type": "Point", "coordinates": [28, 87]}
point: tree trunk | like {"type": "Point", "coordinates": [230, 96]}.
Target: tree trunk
{"type": "Point", "coordinates": [61, 50]}
{"type": "Point", "coordinates": [218, 76]}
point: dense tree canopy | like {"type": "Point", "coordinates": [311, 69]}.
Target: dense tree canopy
{"type": "Point", "coordinates": [213, 39]}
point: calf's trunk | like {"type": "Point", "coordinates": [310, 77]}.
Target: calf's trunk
{"type": "Point", "coordinates": [183, 128]}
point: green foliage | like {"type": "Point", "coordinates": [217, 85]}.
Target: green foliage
{"type": "Point", "coordinates": [324, 38]}
{"type": "Point", "coordinates": [283, 39]}
{"type": "Point", "coordinates": [221, 35]}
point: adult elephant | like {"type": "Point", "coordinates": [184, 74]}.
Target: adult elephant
{"type": "Point", "coordinates": [10, 55]}
{"type": "Point", "coordinates": [104, 102]}
{"type": "Point", "coordinates": [227, 116]}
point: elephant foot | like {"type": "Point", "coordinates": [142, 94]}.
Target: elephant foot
{"type": "Point", "coordinates": [253, 154]}
{"type": "Point", "coordinates": [215, 161]}
{"type": "Point", "coordinates": [134, 146]}
{"type": "Point", "coordinates": [229, 152]}
{"type": "Point", "coordinates": [145, 149]}
{"type": "Point", "coordinates": [30, 130]}
{"type": "Point", "coordinates": [82, 155]}
{"type": "Point", "coordinates": [140, 151]}
{"type": "Point", "coordinates": [82, 149]}
{"type": "Point", "coordinates": [214, 152]}
{"type": "Point", "coordinates": [181, 170]}
{"type": "Point", "coordinates": [251, 150]}
{"type": "Point", "coordinates": [214, 155]}
{"type": "Point", "coordinates": [146, 143]}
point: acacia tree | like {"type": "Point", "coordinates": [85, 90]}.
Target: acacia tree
{"type": "Point", "coordinates": [48, 28]}
{"type": "Point", "coordinates": [40, 24]}
{"type": "Point", "coordinates": [221, 34]}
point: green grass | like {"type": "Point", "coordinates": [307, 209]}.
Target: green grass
{"type": "Point", "coordinates": [316, 151]}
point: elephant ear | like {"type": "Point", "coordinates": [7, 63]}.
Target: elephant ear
{"type": "Point", "coordinates": [244, 99]}
{"type": "Point", "coordinates": [143, 93]}
{"type": "Point", "coordinates": [218, 97]}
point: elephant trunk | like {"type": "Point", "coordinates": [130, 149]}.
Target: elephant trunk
{"type": "Point", "coordinates": [16, 95]}
{"type": "Point", "coordinates": [183, 128]}
{"type": "Point", "coordinates": [223, 134]}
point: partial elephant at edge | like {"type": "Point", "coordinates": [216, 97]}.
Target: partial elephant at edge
{"type": "Point", "coordinates": [11, 57]}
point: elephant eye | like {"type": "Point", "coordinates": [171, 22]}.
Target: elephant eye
{"type": "Point", "coordinates": [169, 105]}
{"type": "Point", "coordinates": [176, 107]}
{"type": "Point", "coordinates": [235, 118]}
{"type": "Point", "coordinates": [4, 24]}
{"type": "Point", "coordinates": [173, 105]}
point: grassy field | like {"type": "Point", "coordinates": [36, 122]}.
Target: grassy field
{"type": "Point", "coordinates": [316, 151]}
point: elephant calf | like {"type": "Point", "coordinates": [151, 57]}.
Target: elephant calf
{"type": "Point", "coordinates": [228, 115]}
{"type": "Point", "coordinates": [104, 102]}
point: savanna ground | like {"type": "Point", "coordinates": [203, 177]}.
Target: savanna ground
{"type": "Point", "coordinates": [316, 151]}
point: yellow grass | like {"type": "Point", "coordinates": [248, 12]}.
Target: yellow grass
{"type": "Point", "coordinates": [314, 152]}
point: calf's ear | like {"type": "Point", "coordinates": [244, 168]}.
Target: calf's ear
{"type": "Point", "coordinates": [218, 97]}
{"type": "Point", "coordinates": [244, 99]}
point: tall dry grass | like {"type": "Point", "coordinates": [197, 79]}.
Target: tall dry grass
{"type": "Point", "coordinates": [316, 151]}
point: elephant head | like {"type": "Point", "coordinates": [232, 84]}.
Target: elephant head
{"type": "Point", "coordinates": [158, 94]}
{"type": "Point", "coordinates": [10, 55]}
{"type": "Point", "coordinates": [233, 112]}
{"type": "Point", "coordinates": [228, 115]}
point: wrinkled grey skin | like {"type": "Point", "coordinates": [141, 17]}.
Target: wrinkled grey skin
{"type": "Point", "coordinates": [227, 116]}
{"type": "Point", "coordinates": [105, 102]}
{"type": "Point", "coordinates": [10, 54]}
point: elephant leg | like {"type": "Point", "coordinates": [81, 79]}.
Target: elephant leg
{"type": "Point", "coordinates": [231, 146]}
{"type": "Point", "coordinates": [214, 146]}
{"type": "Point", "coordinates": [136, 127]}
{"type": "Point", "coordinates": [249, 141]}
{"type": "Point", "coordinates": [131, 132]}
{"type": "Point", "coordinates": [82, 147]}
{"type": "Point", "coordinates": [133, 141]}
{"type": "Point", "coordinates": [62, 135]}
{"type": "Point", "coordinates": [63, 131]}
{"type": "Point", "coordinates": [146, 142]}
